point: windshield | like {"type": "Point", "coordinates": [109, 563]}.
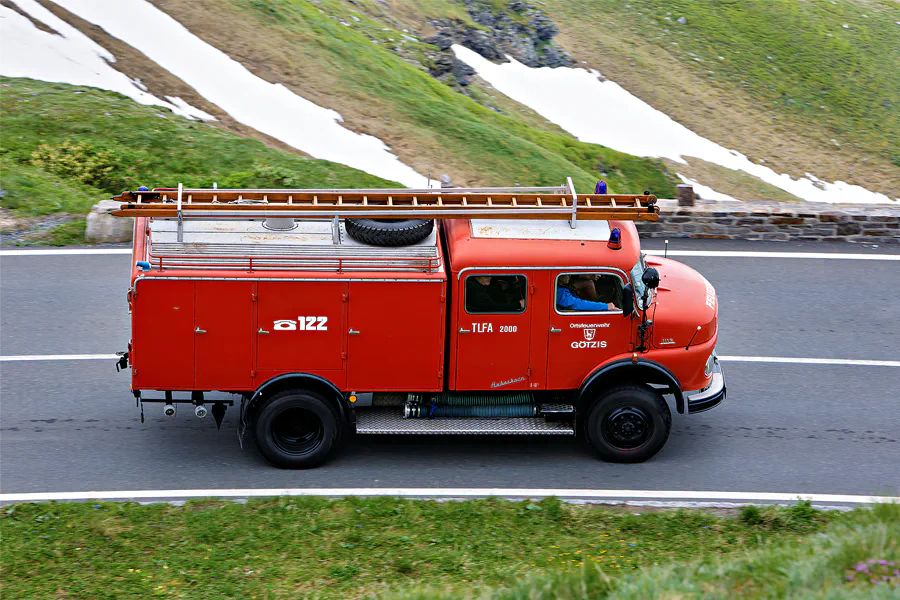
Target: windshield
{"type": "Point", "coordinates": [637, 271]}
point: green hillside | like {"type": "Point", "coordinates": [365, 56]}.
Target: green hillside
{"type": "Point", "coordinates": [782, 81]}
{"type": "Point", "coordinates": [808, 85]}
{"type": "Point", "coordinates": [63, 148]}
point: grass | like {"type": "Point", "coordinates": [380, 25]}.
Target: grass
{"type": "Point", "coordinates": [855, 559]}
{"type": "Point", "coordinates": [355, 548]}
{"type": "Point", "coordinates": [91, 144]}
{"type": "Point", "coordinates": [145, 145]}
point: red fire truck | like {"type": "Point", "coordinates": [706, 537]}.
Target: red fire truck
{"type": "Point", "coordinates": [526, 311]}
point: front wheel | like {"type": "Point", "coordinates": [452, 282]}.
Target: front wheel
{"type": "Point", "coordinates": [296, 429]}
{"type": "Point", "coordinates": [628, 424]}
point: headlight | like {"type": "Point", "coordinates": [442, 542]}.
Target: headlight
{"type": "Point", "coordinates": [710, 363]}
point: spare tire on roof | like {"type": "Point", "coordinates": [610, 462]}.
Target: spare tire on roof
{"type": "Point", "coordinates": [389, 232]}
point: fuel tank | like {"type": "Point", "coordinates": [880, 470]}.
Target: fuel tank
{"type": "Point", "coordinates": [685, 300]}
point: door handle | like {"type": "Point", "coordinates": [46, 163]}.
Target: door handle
{"type": "Point", "coordinates": [353, 331]}
{"type": "Point", "coordinates": [554, 330]}
{"type": "Point", "coordinates": [262, 331]}
{"type": "Point", "coordinates": [198, 330]}
{"type": "Point", "coordinates": [461, 330]}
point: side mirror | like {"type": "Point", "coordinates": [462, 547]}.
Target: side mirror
{"type": "Point", "coordinates": [651, 278]}
{"type": "Point", "coordinates": [627, 300]}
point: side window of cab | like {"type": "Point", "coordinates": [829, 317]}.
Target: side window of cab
{"type": "Point", "coordinates": [495, 294]}
{"type": "Point", "coordinates": [588, 292]}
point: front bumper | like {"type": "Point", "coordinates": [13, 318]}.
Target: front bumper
{"type": "Point", "coordinates": [711, 396]}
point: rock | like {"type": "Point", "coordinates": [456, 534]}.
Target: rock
{"type": "Point", "coordinates": [462, 71]}
{"type": "Point", "coordinates": [482, 43]}
{"type": "Point", "coordinates": [516, 6]}
{"type": "Point", "coordinates": [682, 20]}
{"type": "Point", "coordinates": [544, 28]}
{"type": "Point", "coordinates": [556, 57]}
{"type": "Point", "coordinates": [441, 40]}
{"type": "Point", "coordinates": [442, 64]}
{"type": "Point", "coordinates": [104, 228]}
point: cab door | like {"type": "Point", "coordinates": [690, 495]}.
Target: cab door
{"type": "Point", "coordinates": [493, 332]}
{"type": "Point", "coordinates": [582, 334]}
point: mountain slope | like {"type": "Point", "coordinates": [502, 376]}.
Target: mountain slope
{"type": "Point", "coordinates": [782, 81]}
{"type": "Point", "coordinates": [63, 148]}
{"type": "Point", "coordinates": [430, 126]}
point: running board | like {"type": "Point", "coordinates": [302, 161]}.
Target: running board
{"type": "Point", "coordinates": [384, 421]}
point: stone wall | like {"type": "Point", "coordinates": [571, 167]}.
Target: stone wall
{"type": "Point", "coordinates": [878, 224]}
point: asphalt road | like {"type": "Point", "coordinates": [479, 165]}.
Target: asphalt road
{"type": "Point", "coordinates": [73, 426]}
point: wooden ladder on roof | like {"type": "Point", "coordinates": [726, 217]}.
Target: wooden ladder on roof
{"type": "Point", "coordinates": [448, 203]}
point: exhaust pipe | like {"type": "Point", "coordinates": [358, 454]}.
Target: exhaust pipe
{"type": "Point", "coordinates": [169, 410]}
{"type": "Point", "coordinates": [200, 411]}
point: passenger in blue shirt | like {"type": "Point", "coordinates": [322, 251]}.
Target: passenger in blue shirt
{"type": "Point", "coordinates": [567, 300]}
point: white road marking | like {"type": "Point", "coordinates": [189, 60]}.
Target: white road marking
{"type": "Point", "coordinates": [448, 493]}
{"type": "Point", "coordinates": [812, 361]}
{"type": "Point", "coordinates": [38, 357]}
{"type": "Point", "coordinates": [714, 253]}
{"type": "Point", "coordinates": [742, 254]}
{"type": "Point", "coordinates": [65, 251]}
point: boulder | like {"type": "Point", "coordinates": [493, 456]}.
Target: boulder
{"type": "Point", "coordinates": [104, 228]}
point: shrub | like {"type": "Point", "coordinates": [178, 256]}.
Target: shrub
{"type": "Point", "coordinates": [750, 515]}
{"type": "Point", "coordinates": [82, 162]}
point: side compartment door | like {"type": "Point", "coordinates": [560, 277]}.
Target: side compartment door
{"type": "Point", "coordinates": [223, 316]}
{"type": "Point", "coordinates": [586, 325]}
{"type": "Point", "coordinates": [300, 325]}
{"type": "Point", "coordinates": [493, 332]}
{"type": "Point", "coordinates": [163, 335]}
{"type": "Point", "coordinates": [396, 340]}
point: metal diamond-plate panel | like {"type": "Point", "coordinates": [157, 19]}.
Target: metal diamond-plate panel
{"type": "Point", "coordinates": [377, 421]}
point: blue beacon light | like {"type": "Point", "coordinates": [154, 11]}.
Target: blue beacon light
{"type": "Point", "coordinates": [615, 239]}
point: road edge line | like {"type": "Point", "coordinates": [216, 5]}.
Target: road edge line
{"type": "Point", "coordinates": [451, 493]}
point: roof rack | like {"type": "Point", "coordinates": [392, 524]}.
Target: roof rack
{"type": "Point", "coordinates": [447, 203]}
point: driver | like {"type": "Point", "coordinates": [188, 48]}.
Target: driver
{"type": "Point", "coordinates": [566, 298]}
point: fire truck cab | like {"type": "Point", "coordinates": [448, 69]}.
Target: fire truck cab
{"type": "Point", "coordinates": [484, 326]}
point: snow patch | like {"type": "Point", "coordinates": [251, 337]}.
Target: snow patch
{"type": "Point", "coordinates": [707, 193]}
{"type": "Point", "coordinates": [190, 111]}
{"type": "Point", "coordinates": [267, 107]}
{"type": "Point", "coordinates": [602, 112]}
{"type": "Point", "coordinates": [68, 56]}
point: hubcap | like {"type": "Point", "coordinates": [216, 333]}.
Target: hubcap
{"type": "Point", "coordinates": [627, 428]}
{"type": "Point", "coordinates": [297, 431]}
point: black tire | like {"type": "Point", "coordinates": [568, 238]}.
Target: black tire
{"type": "Point", "coordinates": [390, 232]}
{"type": "Point", "coordinates": [297, 429]}
{"type": "Point", "coordinates": [628, 424]}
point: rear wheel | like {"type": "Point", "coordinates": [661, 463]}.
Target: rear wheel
{"type": "Point", "coordinates": [297, 429]}
{"type": "Point", "coordinates": [629, 424]}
